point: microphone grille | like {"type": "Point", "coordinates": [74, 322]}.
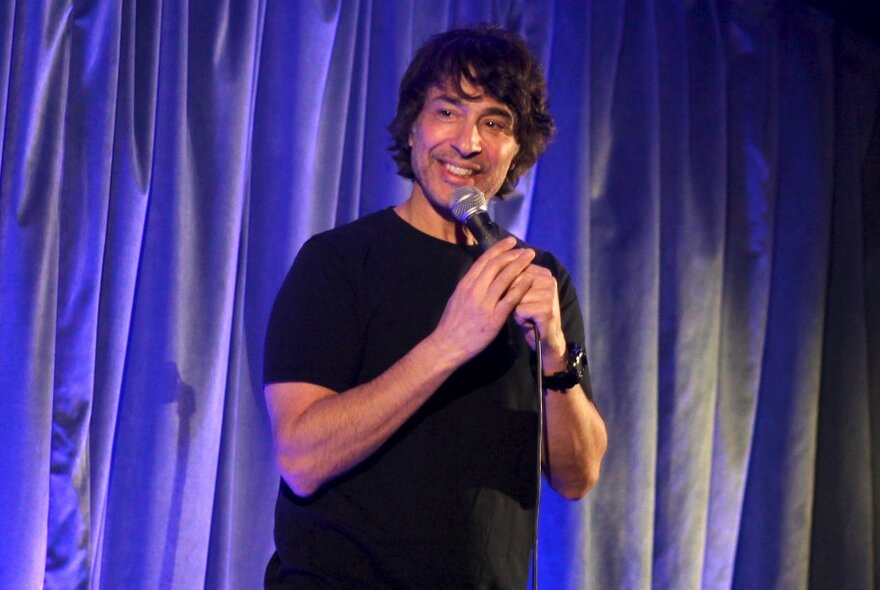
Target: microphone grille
{"type": "Point", "coordinates": [466, 201]}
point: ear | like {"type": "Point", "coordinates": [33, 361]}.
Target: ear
{"type": "Point", "coordinates": [409, 140]}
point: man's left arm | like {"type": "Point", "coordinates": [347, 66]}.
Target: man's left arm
{"type": "Point", "coordinates": [576, 435]}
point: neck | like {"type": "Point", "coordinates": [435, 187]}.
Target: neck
{"type": "Point", "coordinates": [428, 218]}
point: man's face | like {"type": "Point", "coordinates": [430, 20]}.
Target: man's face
{"type": "Point", "coordinates": [458, 141]}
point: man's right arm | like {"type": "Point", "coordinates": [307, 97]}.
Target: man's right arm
{"type": "Point", "coordinates": [320, 434]}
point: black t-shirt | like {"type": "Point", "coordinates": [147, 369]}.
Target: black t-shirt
{"type": "Point", "coordinates": [448, 500]}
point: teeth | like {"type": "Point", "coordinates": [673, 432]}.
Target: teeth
{"type": "Point", "coordinates": [458, 171]}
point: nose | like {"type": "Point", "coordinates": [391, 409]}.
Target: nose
{"type": "Point", "coordinates": [468, 141]}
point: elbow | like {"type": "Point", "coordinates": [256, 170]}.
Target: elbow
{"type": "Point", "coordinates": [577, 488]}
{"type": "Point", "coordinates": [583, 475]}
{"type": "Point", "coordinates": [300, 486]}
{"type": "Point", "coordinates": [301, 479]}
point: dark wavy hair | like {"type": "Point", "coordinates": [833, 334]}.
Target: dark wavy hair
{"type": "Point", "coordinates": [492, 59]}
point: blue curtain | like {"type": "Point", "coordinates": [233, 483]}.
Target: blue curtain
{"type": "Point", "coordinates": [714, 188]}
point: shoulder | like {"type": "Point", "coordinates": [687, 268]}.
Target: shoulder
{"type": "Point", "coordinates": [353, 240]}
{"type": "Point", "coordinates": [342, 258]}
{"type": "Point", "coordinates": [366, 228]}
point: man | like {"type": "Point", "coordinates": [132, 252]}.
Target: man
{"type": "Point", "coordinates": [399, 359]}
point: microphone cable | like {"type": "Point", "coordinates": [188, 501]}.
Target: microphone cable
{"type": "Point", "coordinates": [470, 207]}
{"type": "Point", "coordinates": [539, 378]}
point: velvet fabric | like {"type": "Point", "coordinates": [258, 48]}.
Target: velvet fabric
{"type": "Point", "coordinates": [713, 188]}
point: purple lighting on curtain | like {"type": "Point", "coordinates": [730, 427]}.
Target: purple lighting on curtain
{"type": "Point", "coordinates": [712, 188]}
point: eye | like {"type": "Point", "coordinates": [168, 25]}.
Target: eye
{"type": "Point", "coordinates": [496, 125]}
{"type": "Point", "coordinates": [444, 113]}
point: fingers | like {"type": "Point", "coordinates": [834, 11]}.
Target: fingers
{"type": "Point", "coordinates": [495, 271]}
{"type": "Point", "coordinates": [485, 297]}
{"type": "Point", "coordinates": [489, 264]}
{"type": "Point", "coordinates": [539, 305]}
{"type": "Point", "coordinates": [513, 295]}
{"type": "Point", "coordinates": [506, 285]}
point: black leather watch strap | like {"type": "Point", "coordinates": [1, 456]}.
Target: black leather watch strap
{"type": "Point", "coordinates": [575, 365]}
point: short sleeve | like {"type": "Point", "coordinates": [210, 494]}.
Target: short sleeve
{"type": "Point", "coordinates": [572, 317]}
{"type": "Point", "coordinates": [312, 335]}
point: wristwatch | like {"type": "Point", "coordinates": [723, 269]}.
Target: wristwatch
{"type": "Point", "coordinates": [575, 365]}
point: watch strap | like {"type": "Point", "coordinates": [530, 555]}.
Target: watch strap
{"type": "Point", "coordinates": [575, 366]}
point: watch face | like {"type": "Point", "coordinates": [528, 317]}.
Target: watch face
{"type": "Point", "coordinates": [577, 359]}
{"type": "Point", "coordinates": [575, 366]}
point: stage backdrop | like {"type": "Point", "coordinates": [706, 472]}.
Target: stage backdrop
{"type": "Point", "coordinates": [713, 188]}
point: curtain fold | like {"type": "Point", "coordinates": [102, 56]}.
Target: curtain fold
{"type": "Point", "coordinates": [846, 465]}
{"type": "Point", "coordinates": [712, 187]}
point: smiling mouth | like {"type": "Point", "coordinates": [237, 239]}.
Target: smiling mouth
{"type": "Point", "coordinates": [458, 171]}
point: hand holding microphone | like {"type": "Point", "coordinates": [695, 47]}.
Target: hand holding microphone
{"type": "Point", "coordinates": [539, 304]}
{"type": "Point", "coordinates": [491, 289]}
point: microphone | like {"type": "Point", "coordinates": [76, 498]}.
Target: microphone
{"type": "Point", "coordinates": [468, 205]}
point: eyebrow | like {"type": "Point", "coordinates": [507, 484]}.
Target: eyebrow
{"type": "Point", "coordinates": [490, 111]}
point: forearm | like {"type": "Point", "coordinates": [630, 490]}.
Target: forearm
{"type": "Point", "coordinates": [320, 434]}
{"type": "Point", "coordinates": [576, 442]}
{"type": "Point", "coordinates": [335, 432]}
{"type": "Point", "coordinates": [576, 436]}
